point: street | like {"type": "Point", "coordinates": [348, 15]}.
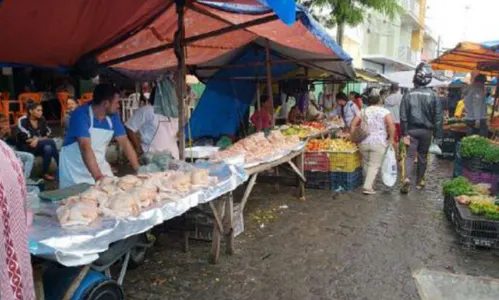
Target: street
{"type": "Point", "coordinates": [331, 246]}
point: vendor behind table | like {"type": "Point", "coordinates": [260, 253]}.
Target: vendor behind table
{"type": "Point", "coordinates": [150, 132]}
{"type": "Point", "coordinates": [345, 109]}
{"type": "Point", "coordinates": [91, 128]}
{"type": "Point", "coordinates": [262, 118]}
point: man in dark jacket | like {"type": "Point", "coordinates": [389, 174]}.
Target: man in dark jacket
{"type": "Point", "coordinates": [421, 119]}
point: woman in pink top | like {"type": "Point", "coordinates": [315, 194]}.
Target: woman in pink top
{"type": "Point", "coordinates": [262, 118]}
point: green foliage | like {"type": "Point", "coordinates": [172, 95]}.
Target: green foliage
{"type": "Point", "coordinates": [477, 146]}
{"type": "Point", "coordinates": [457, 187]}
{"type": "Point", "coordinates": [492, 155]}
{"type": "Point", "coordinates": [352, 12]}
{"type": "Point", "coordinates": [474, 146]}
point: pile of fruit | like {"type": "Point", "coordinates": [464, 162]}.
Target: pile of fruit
{"type": "Point", "coordinates": [315, 125]}
{"type": "Point", "coordinates": [301, 132]}
{"type": "Point", "coordinates": [331, 145]}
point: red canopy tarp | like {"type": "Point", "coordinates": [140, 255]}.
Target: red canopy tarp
{"type": "Point", "coordinates": [57, 33]}
{"type": "Point", "coordinates": [161, 32]}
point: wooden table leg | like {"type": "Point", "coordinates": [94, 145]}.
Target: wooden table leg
{"type": "Point", "coordinates": [248, 190]}
{"type": "Point", "coordinates": [301, 183]}
{"type": "Point", "coordinates": [76, 283]}
{"type": "Point", "coordinates": [228, 223]}
{"type": "Point", "coordinates": [218, 211]}
{"type": "Point", "coordinates": [277, 185]}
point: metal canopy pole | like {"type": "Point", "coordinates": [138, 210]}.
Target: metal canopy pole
{"type": "Point", "coordinates": [269, 78]}
{"type": "Point", "coordinates": [180, 54]}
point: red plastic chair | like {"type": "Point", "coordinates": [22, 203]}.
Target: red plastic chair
{"type": "Point", "coordinates": [87, 97]}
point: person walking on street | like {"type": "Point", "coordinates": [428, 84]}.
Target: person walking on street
{"type": "Point", "coordinates": [421, 118]}
{"type": "Point", "coordinates": [392, 103]}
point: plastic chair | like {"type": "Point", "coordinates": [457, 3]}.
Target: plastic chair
{"type": "Point", "coordinates": [4, 108]}
{"type": "Point", "coordinates": [87, 97]}
{"type": "Point", "coordinates": [4, 95]}
{"type": "Point", "coordinates": [130, 105]}
{"type": "Point", "coordinates": [63, 97]}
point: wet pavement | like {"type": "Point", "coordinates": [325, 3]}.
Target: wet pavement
{"type": "Point", "coordinates": [331, 246]}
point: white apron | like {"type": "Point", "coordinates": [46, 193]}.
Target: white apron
{"type": "Point", "coordinates": [72, 169]}
{"type": "Point", "coordinates": [165, 138]}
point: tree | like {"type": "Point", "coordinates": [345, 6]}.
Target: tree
{"type": "Point", "coordinates": [350, 12]}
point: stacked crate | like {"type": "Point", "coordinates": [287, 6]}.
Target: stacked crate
{"type": "Point", "coordinates": [316, 165]}
{"type": "Point", "coordinates": [448, 145]}
{"type": "Point", "coordinates": [346, 170]}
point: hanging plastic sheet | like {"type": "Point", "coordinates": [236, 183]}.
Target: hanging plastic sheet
{"type": "Point", "coordinates": [166, 100]}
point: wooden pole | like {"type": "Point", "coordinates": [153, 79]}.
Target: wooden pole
{"type": "Point", "coordinates": [180, 54]}
{"type": "Point", "coordinates": [258, 105]}
{"type": "Point", "coordinates": [269, 78]}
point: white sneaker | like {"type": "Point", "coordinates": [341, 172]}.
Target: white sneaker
{"type": "Point", "coordinates": [369, 192]}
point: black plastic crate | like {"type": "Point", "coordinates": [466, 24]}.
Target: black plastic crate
{"type": "Point", "coordinates": [318, 180]}
{"type": "Point", "coordinates": [449, 204]}
{"type": "Point", "coordinates": [346, 180]}
{"type": "Point", "coordinates": [475, 164]}
{"type": "Point", "coordinates": [472, 231]}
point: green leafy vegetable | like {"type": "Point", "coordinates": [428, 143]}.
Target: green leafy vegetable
{"type": "Point", "coordinates": [457, 187]}
{"type": "Point", "coordinates": [474, 146]}
{"type": "Point", "coordinates": [492, 155]}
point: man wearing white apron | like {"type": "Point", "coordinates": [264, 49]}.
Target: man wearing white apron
{"type": "Point", "coordinates": [157, 132]}
{"type": "Point", "coordinates": [91, 127]}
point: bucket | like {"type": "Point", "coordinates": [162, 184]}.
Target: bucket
{"type": "Point", "coordinates": [95, 286]}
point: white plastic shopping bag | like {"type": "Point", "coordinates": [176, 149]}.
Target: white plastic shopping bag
{"type": "Point", "coordinates": [435, 149]}
{"type": "Point", "coordinates": [389, 167]}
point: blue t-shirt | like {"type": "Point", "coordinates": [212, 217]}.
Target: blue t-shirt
{"type": "Point", "coordinates": [79, 125]}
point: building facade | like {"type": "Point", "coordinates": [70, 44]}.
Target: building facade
{"type": "Point", "coordinates": [385, 46]}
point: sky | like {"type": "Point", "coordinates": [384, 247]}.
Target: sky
{"type": "Point", "coordinates": [454, 23]}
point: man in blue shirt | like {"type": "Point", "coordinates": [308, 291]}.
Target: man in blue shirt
{"type": "Point", "coordinates": [91, 127]}
{"type": "Point", "coordinates": [345, 109]}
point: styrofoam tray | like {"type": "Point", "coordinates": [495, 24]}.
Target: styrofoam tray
{"type": "Point", "coordinates": [200, 151]}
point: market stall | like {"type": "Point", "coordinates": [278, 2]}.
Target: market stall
{"type": "Point", "coordinates": [76, 230]}
{"type": "Point", "coordinates": [160, 36]}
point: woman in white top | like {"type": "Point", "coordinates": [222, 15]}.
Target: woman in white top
{"type": "Point", "coordinates": [151, 132]}
{"type": "Point", "coordinates": [381, 131]}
